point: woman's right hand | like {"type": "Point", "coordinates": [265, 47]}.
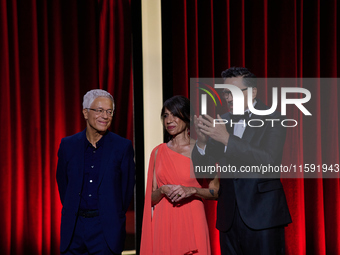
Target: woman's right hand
{"type": "Point", "coordinates": [158, 193]}
{"type": "Point", "coordinates": [166, 189]}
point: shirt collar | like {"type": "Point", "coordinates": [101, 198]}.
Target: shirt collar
{"type": "Point", "coordinates": [250, 113]}
{"type": "Point", "coordinates": [99, 143]}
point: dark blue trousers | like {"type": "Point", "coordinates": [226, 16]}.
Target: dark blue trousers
{"type": "Point", "coordinates": [88, 238]}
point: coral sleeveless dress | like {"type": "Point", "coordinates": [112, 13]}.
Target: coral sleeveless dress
{"type": "Point", "coordinates": [173, 228]}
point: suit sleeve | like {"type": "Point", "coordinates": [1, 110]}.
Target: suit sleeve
{"type": "Point", "coordinates": [265, 147]}
{"type": "Point", "coordinates": [128, 176]}
{"type": "Point", "coordinates": [207, 160]}
{"type": "Point", "coordinates": [61, 175]}
{"type": "Point", "coordinates": [214, 150]}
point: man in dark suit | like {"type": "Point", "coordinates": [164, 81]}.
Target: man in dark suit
{"type": "Point", "coordinates": [96, 177]}
{"type": "Point", "coordinates": [251, 212]}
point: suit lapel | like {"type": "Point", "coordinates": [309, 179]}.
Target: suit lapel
{"type": "Point", "coordinates": [249, 131]}
{"type": "Point", "coordinates": [80, 154]}
{"type": "Point", "coordinates": [105, 157]}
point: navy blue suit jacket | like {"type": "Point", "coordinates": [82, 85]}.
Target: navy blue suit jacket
{"type": "Point", "coordinates": [261, 201]}
{"type": "Point", "coordinates": [116, 185]}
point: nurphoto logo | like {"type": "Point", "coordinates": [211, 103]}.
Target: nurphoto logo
{"type": "Point", "coordinates": [239, 104]}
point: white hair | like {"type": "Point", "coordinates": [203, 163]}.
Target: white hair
{"type": "Point", "coordinates": [91, 95]}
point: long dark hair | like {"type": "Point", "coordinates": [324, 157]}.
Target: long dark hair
{"type": "Point", "coordinates": [179, 106]}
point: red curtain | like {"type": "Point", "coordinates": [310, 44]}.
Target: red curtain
{"type": "Point", "coordinates": [292, 38]}
{"type": "Point", "coordinates": [52, 53]}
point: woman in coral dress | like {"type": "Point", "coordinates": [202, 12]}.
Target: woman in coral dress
{"type": "Point", "coordinates": [174, 220]}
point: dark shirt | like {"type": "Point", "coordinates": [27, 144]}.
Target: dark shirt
{"type": "Point", "coordinates": [92, 160]}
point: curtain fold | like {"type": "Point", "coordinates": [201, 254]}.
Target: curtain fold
{"type": "Point", "coordinates": [115, 60]}
{"type": "Point", "coordinates": [293, 38]}
{"type": "Point", "coordinates": [53, 52]}
{"type": "Point", "coordinates": [51, 55]}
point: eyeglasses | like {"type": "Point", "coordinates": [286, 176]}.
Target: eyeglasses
{"type": "Point", "coordinates": [100, 111]}
{"type": "Point", "coordinates": [227, 93]}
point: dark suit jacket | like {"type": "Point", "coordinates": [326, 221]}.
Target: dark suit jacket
{"type": "Point", "coordinates": [261, 201]}
{"type": "Point", "coordinates": [116, 177]}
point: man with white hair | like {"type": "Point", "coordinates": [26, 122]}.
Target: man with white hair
{"type": "Point", "coordinates": [96, 177]}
